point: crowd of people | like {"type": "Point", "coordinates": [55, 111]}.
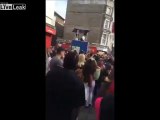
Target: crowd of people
{"type": "Point", "coordinates": [74, 80]}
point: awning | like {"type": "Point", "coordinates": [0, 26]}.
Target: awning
{"type": "Point", "coordinates": [50, 30]}
{"type": "Point", "coordinates": [81, 30]}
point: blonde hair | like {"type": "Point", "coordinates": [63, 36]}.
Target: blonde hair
{"type": "Point", "coordinates": [81, 60]}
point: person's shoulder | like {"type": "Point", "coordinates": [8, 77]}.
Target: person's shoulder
{"type": "Point", "coordinates": [53, 59]}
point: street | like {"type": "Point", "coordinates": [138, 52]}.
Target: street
{"type": "Point", "coordinates": [87, 114]}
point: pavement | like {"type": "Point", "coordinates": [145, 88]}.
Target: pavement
{"type": "Point", "coordinates": [87, 114]}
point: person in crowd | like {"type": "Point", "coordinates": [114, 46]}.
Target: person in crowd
{"type": "Point", "coordinates": [104, 104]}
{"type": "Point", "coordinates": [107, 108]}
{"type": "Point", "coordinates": [48, 59]}
{"type": "Point", "coordinates": [89, 55]}
{"type": "Point", "coordinates": [48, 52]}
{"type": "Point", "coordinates": [57, 61]}
{"type": "Point", "coordinates": [81, 60]}
{"type": "Point", "coordinates": [103, 80]}
{"type": "Point", "coordinates": [79, 68]}
{"type": "Point", "coordinates": [101, 64]}
{"type": "Point", "coordinates": [47, 63]}
{"type": "Point", "coordinates": [96, 76]}
{"type": "Point", "coordinates": [53, 53]}
{"type": "Point", "coordinates": [65, 92]}
{"type": "Point", "coordinates": [89, 82]}
{"type": "Point", "coordinates": [107, 103]}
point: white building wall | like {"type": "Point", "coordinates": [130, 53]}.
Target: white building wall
{"type": "Point", "coordinates": [50, 8]}
{"type": "Point", "coordinates": [110, 39]}
{"type": "Point", "coordinates": [107, 38]}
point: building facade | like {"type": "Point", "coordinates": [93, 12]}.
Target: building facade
{"type": "Point", "coordinates": [107, 38]}
{"type": "Point", "coordinates": [50, 22]}
{"type": "Point", "coordinates": [85, 14]}
{"type": "Point", "coordinates": [59, 24]}
{"type": "Point", "coordinates": [50, 9]}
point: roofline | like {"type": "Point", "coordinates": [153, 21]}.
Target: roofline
{"type": "Point", "coordinates": [55, 13]}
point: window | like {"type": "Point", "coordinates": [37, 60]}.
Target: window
{"type": "Point", "coordinates": [103, 39]}
{"type": "Point", "coordinates": [104, 31]}
{"type": "Point", "coordinates": [106, 24]}
{"type": "Point", "coordinates": [108, 10]}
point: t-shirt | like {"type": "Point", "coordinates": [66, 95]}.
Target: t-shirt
{"type": "Point", "coordinates": [54, 62]}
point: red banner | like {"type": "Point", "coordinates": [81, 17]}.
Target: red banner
{"type": "Point", "coordinates": [48, 41]}
{"type": "Point", "coordinates": [50, 30]}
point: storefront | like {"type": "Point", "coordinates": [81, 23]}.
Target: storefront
{"type": "Point", "coordinates": [50, 32]}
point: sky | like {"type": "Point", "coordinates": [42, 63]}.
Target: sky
{"type": "Point", "coordinates": [60, 7]}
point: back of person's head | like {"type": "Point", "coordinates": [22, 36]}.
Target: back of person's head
{"type": "Point", "coordinates": [75, 52]}
{"type": "Point", "coordinates": [89, 67]}
{"type": "Point", "coordinates": [70, 60]}
{"type": "Point", "coordinates": [59, 50]}
{"type": "Point", "coordinates": [81, 60]}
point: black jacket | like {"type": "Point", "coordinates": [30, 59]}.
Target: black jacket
{"type": "Point", "coordinates": [64, 93]}
{"type": "Point", "coordinates": [107, 108]}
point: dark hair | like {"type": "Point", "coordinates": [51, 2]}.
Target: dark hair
{"type": "Point", "coordinates": [89, 68]}
{"type": "Point", "coordinates": [59, 50]}
{"type": "Point", "coordinates": [91, 54]}
{"type": "Point", "coordinates": [75, 52]}
{"type": "Point", "coordinates": [108, 66]}
{"type": "Point", "coordinates": [70, 60]}
{"type": "Point", "coordinates": [97, 58]}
